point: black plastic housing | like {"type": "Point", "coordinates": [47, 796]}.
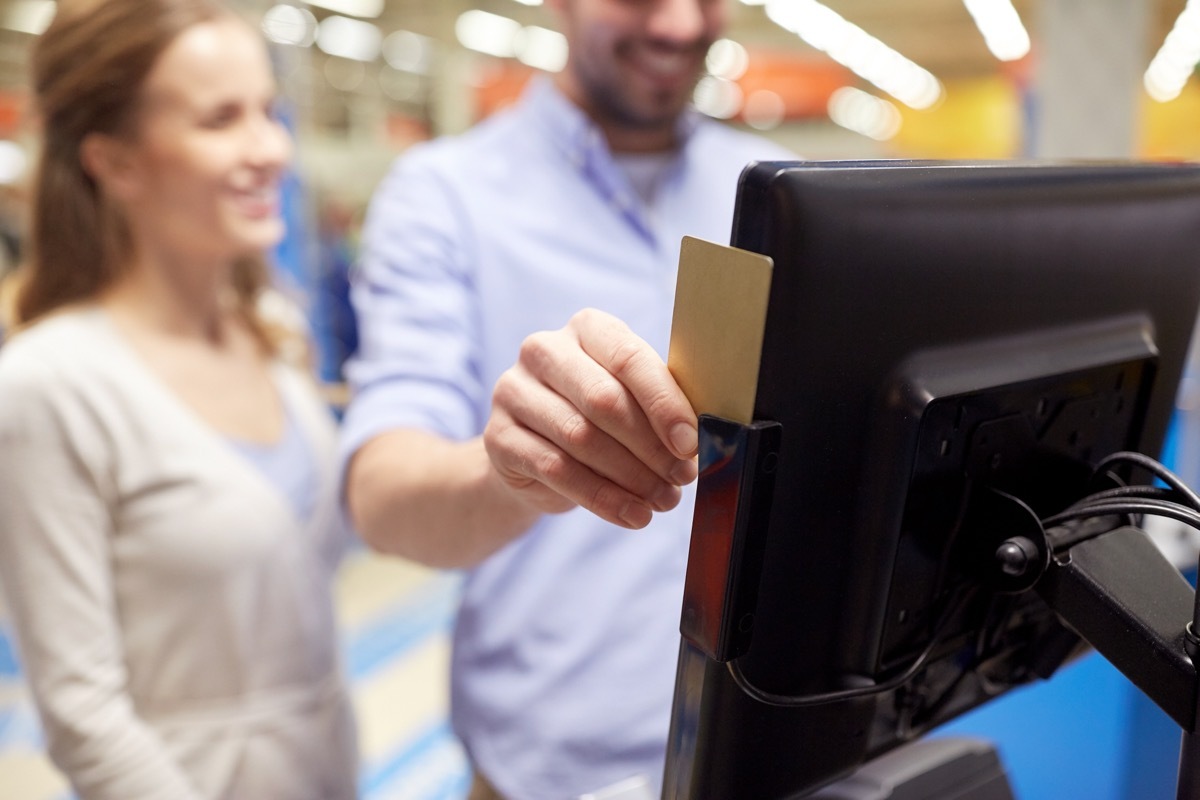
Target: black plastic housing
{"type": "Point", "coordinates": [936, 332]}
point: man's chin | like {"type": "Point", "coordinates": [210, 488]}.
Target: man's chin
{"type": "Point", "coordinates": [658, 112]}
{"type": "Point", "coordinates": [644, 111]}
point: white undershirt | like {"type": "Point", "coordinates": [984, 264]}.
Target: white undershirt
{"type": "Point", "coordinates": [645, 172]}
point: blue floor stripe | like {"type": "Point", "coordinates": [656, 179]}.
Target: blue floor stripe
{"type": "Point", "coordinates": [408, 757]}
{"type": "Point", "coordinates": [402, 627]}
{"type": "Point", "coordinates": [460, 787]}
{"type": "Point", "coordinates": [454, 788]}
{"type": "Point", "coordinates": [438, 779]}
{"type": "Point", "coordinates": [8, 655]}
{"type": "Point", "coordinates": [23, 728]}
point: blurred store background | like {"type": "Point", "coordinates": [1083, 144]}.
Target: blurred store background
{"type": "Point", "coordinates": [979, 79]}
{"type": "Point", "coordinates": [995, 79]}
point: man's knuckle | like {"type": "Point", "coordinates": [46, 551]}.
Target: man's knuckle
{"type": "Point", "coordinates": [552, 466]}
{"type": "Point", "coordinates": [625, 358]}
{"type": "Point", "coordinates": [661, 401]}
{"type": "Point", "coordinates": [584, 318]}
{"type": "Point", "coordinates": [577, 432]}
{"type": "Point", "coordinates": [602, 399]}
{"type": "Point", "coordinates": [536, 348]}
{"type": "Point", "coordinates": [600, 497]}
{"type": "Point", "coordinates": [505, 388]}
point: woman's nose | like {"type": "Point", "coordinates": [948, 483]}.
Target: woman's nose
{"type": "Point", "coordinates": [270, 143]}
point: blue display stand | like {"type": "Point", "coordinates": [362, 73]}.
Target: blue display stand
{"type": "Point", "coordinates": [1086, 732]}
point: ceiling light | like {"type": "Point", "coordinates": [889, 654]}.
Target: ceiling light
{"type": "Point", "coordinates": [857, 50]}
{"type": "Point", "coordinates": [1001, 26]}
{"type": "Point", "coordinates": [353, 8]}
{"type": "Point", "coordinates": [29, 16]}
{"type": "Point", "coordinates": [864, 113]}
{"type": "Point", "coordinates": [349, 38]}
{"type": "Point", "coordinates": [1174, 62]}
{"type": "Point", "coordinates": [285, 24]}
{"type": "Point", "coordinates": [541, 48]}
{"type": "Point", "coordinates": [487, 33]}
{"type": "Point", "coordinates": [13, 162]}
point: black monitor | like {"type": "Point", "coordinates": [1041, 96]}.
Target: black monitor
{"type": "Point", "coordinates": [951, 353]}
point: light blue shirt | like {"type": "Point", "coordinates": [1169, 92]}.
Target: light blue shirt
{"type": "Point", "coordinates": [288, 464]}
{"type": "Point", "coordinates": [566, 642]}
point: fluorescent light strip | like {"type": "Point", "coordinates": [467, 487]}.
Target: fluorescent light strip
{"type": "Point", "coordinates": [857, 50]}
{"type": "Point", "coordinates": [541, 48]}
{"type": "Point", "coordinates": [352, 8]}
{"type": "Point", "coordinates": [864, 113]}
{"type": "Point", "coordinates": [494, 35]}
{"type": "Point", "coordinates": [1174, 62]}
{"type": "Point", "coordinates": [1001, 26]}
{"type": "Point", "coordinates": [487, 33]}
{"type": "Point", "coordinates": [13, 162]}
{"type": "Point", "coordinates": [29, 16]}
{"type": "Point", "coordinates": [349, 38]}
{"type": "Point", "coordinates": [287, 24]}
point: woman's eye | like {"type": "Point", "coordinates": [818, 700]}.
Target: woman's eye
{"type": "Point", "coordinates": [222, 117]}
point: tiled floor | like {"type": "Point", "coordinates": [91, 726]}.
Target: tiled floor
{"type": "Point", "coordinates": [396, 619]}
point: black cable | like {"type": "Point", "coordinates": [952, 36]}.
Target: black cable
{"type": "Point", "coordinates": [823, 698]}
{"type": "Point", "coordinates": [1066, 539]}
{"type": "Point", "coordinates": [1108, 508]}
{"type": "Point", "coordinates": [1154, 468]}
{"type": "Point", "coordinates": [1176, 502]}
{"type": "Point", "coordinates": [1152, 492]}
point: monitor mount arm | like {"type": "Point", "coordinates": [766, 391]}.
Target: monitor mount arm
{"type": "Point", "coordinates": [1104, 578]}
{"type": "Point", "coordinates": [1120, 594]}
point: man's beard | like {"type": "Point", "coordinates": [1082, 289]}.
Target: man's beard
{"type": "Point", "coordinates": [613, 104]}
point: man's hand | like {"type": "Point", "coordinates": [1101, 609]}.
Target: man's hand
{"type": "Point", "coordinates": [589, 415]}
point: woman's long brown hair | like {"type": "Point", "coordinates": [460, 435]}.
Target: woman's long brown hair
{"type": "Point", "coordinates": [88, 69]}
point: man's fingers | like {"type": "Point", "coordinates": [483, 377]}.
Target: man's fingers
{"type": "Point", "coordinates": [557, 360]}
{"type": "Point", "coordinates": [591, 415]}
{"type": "Point", "coordinates": [546, 476]}
{"type": "Point", "coordinates": [642, 372]}
{"type": "Point", "coordinates": [531, 405]}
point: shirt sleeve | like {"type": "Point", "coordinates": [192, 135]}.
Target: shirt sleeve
{"type": "Point", "coordinates": [414, 294]}
{"type": "Point", "coordinates": [55, 572]}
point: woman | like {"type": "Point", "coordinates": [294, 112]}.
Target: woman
{"type": "Point", "coordinates": [167, 508]}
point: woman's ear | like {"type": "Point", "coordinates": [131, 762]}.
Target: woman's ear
{"type": "Point", "coordinates": [111, 163]}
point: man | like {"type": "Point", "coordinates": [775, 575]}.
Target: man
{"type": "Point", "coordinates": [528, 457]}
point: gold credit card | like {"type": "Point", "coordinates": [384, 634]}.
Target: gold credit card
{"type": "Point", "coordinates": [717, 327]}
